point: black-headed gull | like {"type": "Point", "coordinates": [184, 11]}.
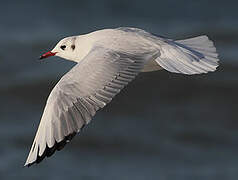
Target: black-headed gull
{"type": "Point", "coordinates": [107, 61]}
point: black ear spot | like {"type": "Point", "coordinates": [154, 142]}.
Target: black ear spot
{"type": "Point", "coordinates": [73, 46]}
{"type": "Point", "coordinates": [63, 47]}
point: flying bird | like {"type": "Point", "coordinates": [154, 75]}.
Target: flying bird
{"type": "Point", "coordinates": [107, 60]}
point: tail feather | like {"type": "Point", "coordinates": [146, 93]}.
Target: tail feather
{"type": "Point", "coordinates": [190, 56]}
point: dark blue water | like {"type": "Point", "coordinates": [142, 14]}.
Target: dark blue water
{"type": "Point", "coordinates": [162, 126]}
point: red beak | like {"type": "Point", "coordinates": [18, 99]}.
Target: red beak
{"type": "Point", "coordinates": [48, 54]}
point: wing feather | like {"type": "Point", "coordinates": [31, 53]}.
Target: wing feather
{"type": "Point", "coordinates": [190, 56]}
{"type": "Point", "coordinates": [85, 89]}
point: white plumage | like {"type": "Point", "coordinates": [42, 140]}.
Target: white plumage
{"type": "Point", "coordinates": [107, 61]}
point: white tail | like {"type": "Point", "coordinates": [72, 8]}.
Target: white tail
{"type": "Point", "coordinates": [190, 56]}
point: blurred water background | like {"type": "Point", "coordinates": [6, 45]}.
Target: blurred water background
{"type": "Point", "coordinates": [162, 126]}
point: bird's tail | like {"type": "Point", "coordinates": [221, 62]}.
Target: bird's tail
{"type": "Point", "coordinates": [190, 56]}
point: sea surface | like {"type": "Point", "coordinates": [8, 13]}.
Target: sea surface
{"type": "Point", "coordinates": [163, 126]}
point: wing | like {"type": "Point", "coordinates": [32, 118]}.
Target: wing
{"type": "Point", "coordinates": [86, 88]}
{"type": "Point", "coordinates": [190, 56]}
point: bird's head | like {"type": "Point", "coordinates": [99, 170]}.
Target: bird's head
{"type": "Point", "coordinates": [65, 48]}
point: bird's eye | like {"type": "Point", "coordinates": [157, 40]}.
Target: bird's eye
{"type": "Point", "coordinates": [63, 47]}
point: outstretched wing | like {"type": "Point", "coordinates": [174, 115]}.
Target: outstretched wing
{"type": "Point", "coordinates": [86, 88]}
{"type": "Point", "coordinates": [190, 56]}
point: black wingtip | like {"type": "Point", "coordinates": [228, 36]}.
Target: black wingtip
{"type": "Point", "coordinates": [50, 151]}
